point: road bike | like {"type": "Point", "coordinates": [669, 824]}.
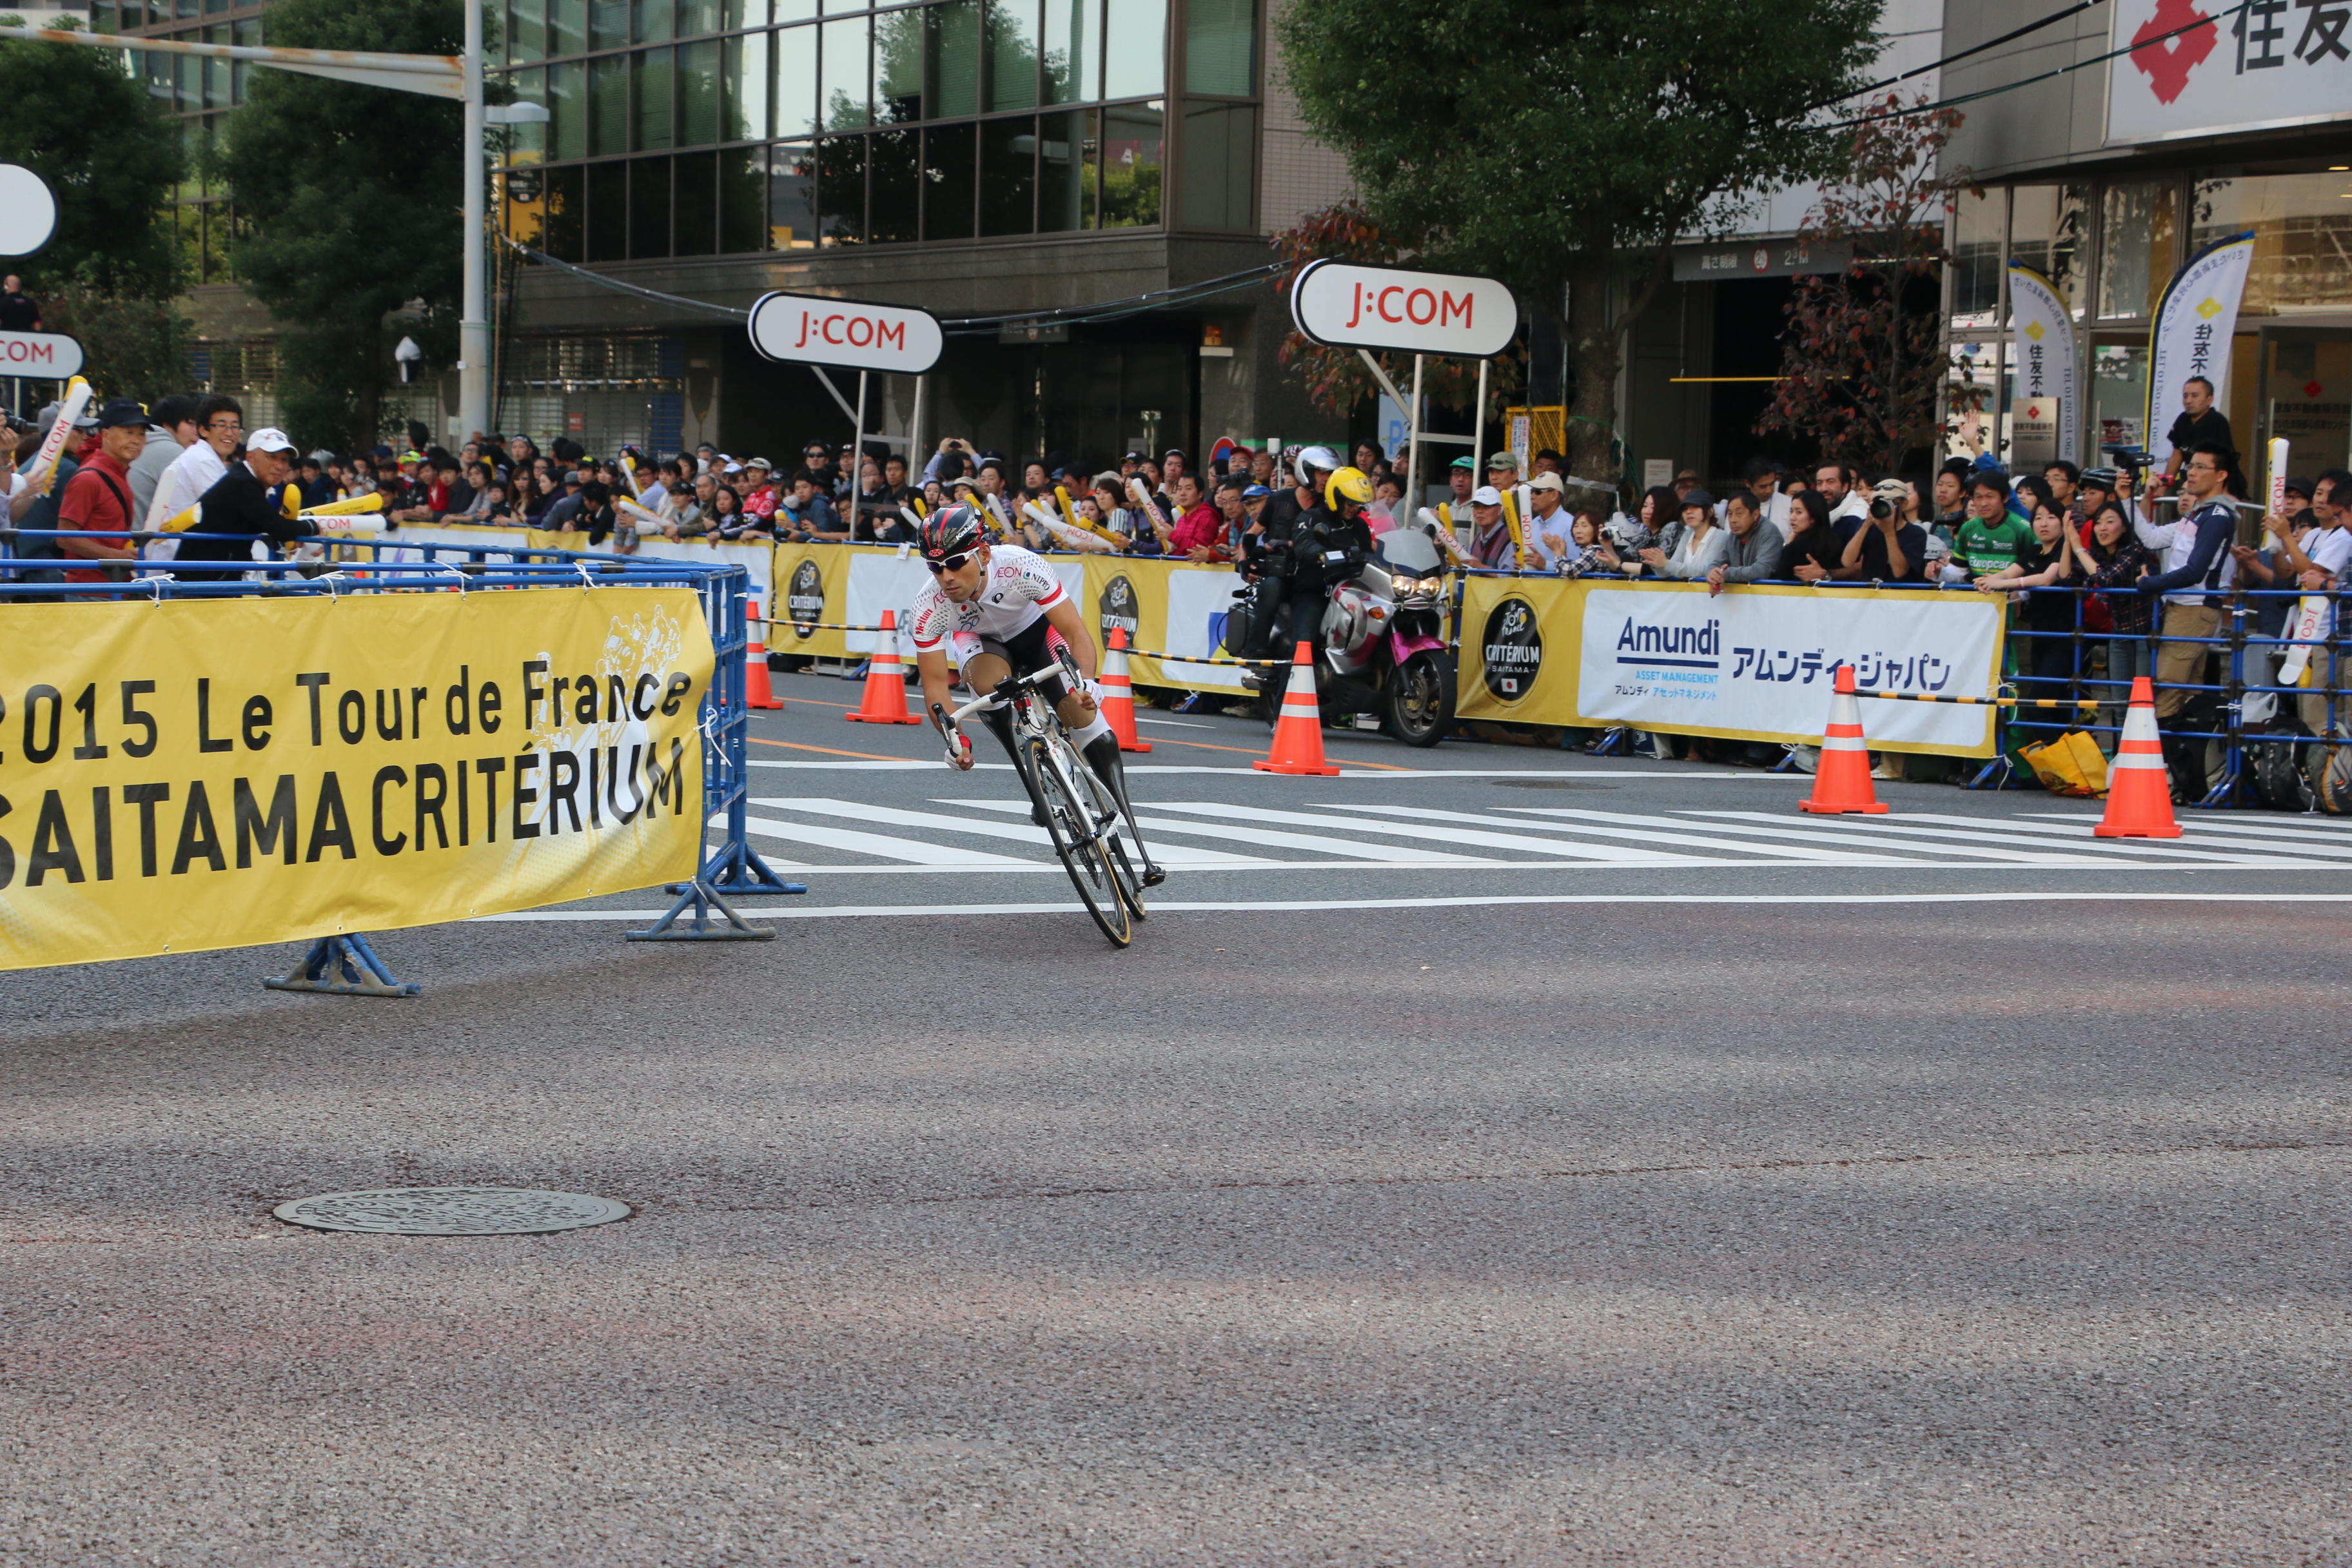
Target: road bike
{"type": "Point", "coordinates": [1080, 814]}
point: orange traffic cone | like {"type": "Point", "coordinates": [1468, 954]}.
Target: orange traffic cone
{"type": "Point", "coordinates": [2140, 789]}
{"type": "Point", "coordinates": [886, 681]}
{"type": "Point", "coordinates": [756, 692]}
{"type": "Point", "coordinates": [1842, 784]}
{"type": "Point", "coordinates": [1298, 732]}
{"type": "Point", "coordinates": [1119, 694]}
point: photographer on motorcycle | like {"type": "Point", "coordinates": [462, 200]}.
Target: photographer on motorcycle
{"type": "Point", "coordinates": [1292, 564]}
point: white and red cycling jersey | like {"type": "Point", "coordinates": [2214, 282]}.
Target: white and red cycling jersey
{"type": "Point", "coordinates": [1021, 588]}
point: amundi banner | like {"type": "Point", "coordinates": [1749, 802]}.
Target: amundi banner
{"type": "Point", "coordinates": [1753, 664]}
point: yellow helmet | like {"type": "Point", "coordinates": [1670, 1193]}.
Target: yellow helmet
{"type": "Point", "coordinates": [1352, 483]}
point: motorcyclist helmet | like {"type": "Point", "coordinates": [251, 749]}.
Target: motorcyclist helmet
{"type": "Point", "coordinates": [1348, 484]}
{"type": "Point", "coordinates": [953, 532]}
{"type": "Point", "coordinates": [1313, 461]}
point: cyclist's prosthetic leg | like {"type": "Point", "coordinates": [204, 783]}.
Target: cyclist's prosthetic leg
{"type": "Point", "coordinates": [1102, 756]}
{"type": "Point", "coordinates": [1000, 719]}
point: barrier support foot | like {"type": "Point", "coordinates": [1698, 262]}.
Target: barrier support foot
{"type": "Point", "coordinates": [742, 874]}
{"type": "Point", "coordinates": [343, 966]}
{"type": "Point", "coordinates": [703, 898]}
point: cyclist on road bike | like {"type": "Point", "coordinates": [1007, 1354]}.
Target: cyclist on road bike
{"type": "Point", "coordinates": [1002, 612]}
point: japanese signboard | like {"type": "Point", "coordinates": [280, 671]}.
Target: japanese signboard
{"type": "Point", "coordinates": [2190, 337]}
{"type": "Point", "coordinates": [2045, 361]}
{"type": "Point", "coordinates": [2198, 68]}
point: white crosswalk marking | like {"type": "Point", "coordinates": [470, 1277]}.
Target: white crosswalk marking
{"type": "Point", "coordinates": [2191, 847]}
{"type": "Point", "coordinates": [1430, 829]}
{"type": "Point", "coordinates": [1368, 837]}
{"type": "Point", "coordinates": [920, 851]}
{"type": "Point", "coordinates": [1824, 830]}
{"type": "Point", "coordinates": [1919, 825]}
{"type": "Point", "coordinates": [1240, 833]}
{"type": "Point", "coordinates": [1690, 835]}
{"type": "Point", "coordinates": [1021, 833]}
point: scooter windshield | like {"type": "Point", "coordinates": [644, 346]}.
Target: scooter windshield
{"type": "Point", "coordinates": [1409, 551]}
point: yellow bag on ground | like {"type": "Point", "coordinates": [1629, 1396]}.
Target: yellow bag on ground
{"type": "Point", "coordinates": [2071, 764]}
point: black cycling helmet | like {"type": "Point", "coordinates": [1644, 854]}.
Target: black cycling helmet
{"type": "Point", "coordinates": [953, 529]}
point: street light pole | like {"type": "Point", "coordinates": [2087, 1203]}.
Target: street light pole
{"type": "Point", "coordinates": [435, 75]}
{"type": "Point", "coordinates": [473, 322]}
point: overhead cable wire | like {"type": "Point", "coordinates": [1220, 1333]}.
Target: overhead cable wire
{"type": "Point", "coordinates": [2008, 37]}
{"type": "Point", "coordinates": [2132, 47]}
{"type": "Point", "coordinates": [1107, 311]}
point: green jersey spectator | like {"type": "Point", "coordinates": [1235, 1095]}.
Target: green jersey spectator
{"type": "Point", "coordinates": [1990, 536]}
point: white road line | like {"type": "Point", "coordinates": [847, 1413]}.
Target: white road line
{"type": "Point", "coordinates": [1238, 834]}
{"type": "Point", "coordinates": [1173, 723]}
{"type": "Point", "coordinates": [1782, 854]}
{"type": "Point", "coordinates": [1243, 906]}
{"type": "Point", "coordinates": [1023, 832]}
{"type": "Point", "coordinates": [1516, 840]}
{"type": "Point", "coordinates": [2192, 846]}
{"type": "Point", "coordinates": [1989, 829]}
{"type": "Point", "coordinates": [1242, 770]}
{"type": "Point", "coordinates": [2291, 830]}
{"type": "Point", "coordinates": [877, 844]}
{"type": "Point", "coordinates": [1802, 830]}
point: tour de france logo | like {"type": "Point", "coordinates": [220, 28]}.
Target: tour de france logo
{"type": "Point", "coordinates": [1118, 608]}
{"type": "Point", "coordinates": [1514, 650]}
{"type": "Point", "coordinates": [804, 600]}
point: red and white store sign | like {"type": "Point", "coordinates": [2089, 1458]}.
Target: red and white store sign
{"type": "Point", "coordinates": [808, 328]}
{"type": "Point", "coordinates": [1344, 304]}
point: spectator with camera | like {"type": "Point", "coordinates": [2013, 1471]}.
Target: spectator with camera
{"type": "Point", "coordinates": [1881, 545]}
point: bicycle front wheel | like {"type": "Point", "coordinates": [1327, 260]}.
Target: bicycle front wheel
{"type": "Point", "coordinates": [1071, 825]}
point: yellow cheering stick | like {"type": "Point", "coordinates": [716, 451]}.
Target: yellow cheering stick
{"type": "Point", "coordinates": [1518, 540]}
{"type": "Point", "coordinates": [1070, 512]}
{"type": "Point", "coordinates": [331, 515]}
{"type": "Point", "coordinates": [44, 460]}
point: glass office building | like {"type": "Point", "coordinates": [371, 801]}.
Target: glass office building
{"type": "Point", "coordinates": [978, 158]}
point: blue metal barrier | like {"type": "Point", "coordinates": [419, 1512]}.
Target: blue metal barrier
{"type": "Point", "coordinates": [345, 965]}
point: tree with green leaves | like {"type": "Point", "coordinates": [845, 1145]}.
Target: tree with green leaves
{"type": "Point", "coordinates": [1563, 145]}
{"type": "Point", "coordinates": [348, 199]}
{"type": "Point", "coordinates": [74, 117]}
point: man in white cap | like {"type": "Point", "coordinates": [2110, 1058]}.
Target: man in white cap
{"type": "Point", "coordinates": [1546, 524]}
{"type": "Point", "coordinates": [1490, 544]}
{"type": "Point", "coordinates": [246, 504]}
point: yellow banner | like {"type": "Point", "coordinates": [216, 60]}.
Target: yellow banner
{"type": "Point", "coordinates": [813, 587]}
{"type": "Point", "coordinates": [1752, 664]}
{"type": "Point", "coordinates": [209, 773]}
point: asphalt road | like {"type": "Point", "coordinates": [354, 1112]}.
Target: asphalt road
{"type": "Point", "coordinates": [1897, 1206]}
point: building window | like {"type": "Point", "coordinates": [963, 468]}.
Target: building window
{"type": "Point", "coordinates": [791, 197]}
{"type": "Point", "coordinates": [1220, 166]}
{"type": "Point", "coordinates": [2136, 262]}
{"type": "Point", "coordinates": [910, 106]}
{"type": "Point", "coordinates": [1220, 48]}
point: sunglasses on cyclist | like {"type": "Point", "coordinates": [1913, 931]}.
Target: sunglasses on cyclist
{"type": "Point", "coordinates": [953, 563]}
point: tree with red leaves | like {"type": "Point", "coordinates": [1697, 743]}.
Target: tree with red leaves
{"type": "Point", "coordinates": [1861, 359]}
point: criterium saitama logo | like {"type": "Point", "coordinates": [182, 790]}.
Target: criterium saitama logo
{"type": "Point", "coordinates": [1118, 608]}
{"type": "Point", "coordinates": [804, 600]}
{"type": "Point", "coordinates": [1514, 650]}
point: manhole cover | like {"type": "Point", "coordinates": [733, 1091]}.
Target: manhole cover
{"type": "Point", "coordinates": [1548, 783]}
{"type": "Point", "coordinates": [452, 1211]}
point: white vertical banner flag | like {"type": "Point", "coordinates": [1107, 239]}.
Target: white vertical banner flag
{"type": "Point", "coordinates": [2047, 371]}
{"type": "Point", "coordinates": [2193, 327]}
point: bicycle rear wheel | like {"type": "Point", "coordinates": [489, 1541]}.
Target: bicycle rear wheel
{"type": "Point", "coordinates": [1070, 823]}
